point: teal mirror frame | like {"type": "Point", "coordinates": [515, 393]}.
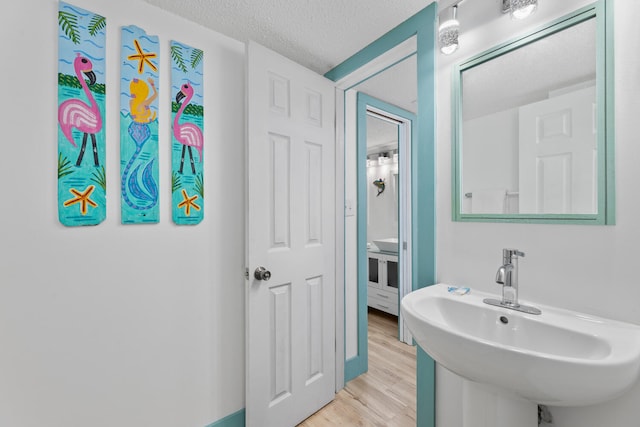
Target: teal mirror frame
{"type": "Point", "coordinates": [603, 13]}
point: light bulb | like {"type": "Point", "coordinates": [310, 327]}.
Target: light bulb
{"type": "Point", "coordinates": [520, 9]}
{"type": "Point", "coordinates": [448, 33]}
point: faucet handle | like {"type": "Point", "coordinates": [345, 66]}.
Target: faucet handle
{"type": "Point", "coordinates": [507, 254]}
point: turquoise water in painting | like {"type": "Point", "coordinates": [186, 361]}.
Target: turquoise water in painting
{"type": "Point", "coordinates": [80, 178]}
{"type": "Point", "coordinates": [188, 181]}
{"type": "Point", "coordinates": [138, 210]}
{"type": "Point", "coordinates": [139, 168]}
{"type": "Point", "coordinates": [187, 199]}
{"type": "Point", "coordinates": [81, 187]}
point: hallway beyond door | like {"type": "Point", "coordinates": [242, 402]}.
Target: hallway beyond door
{"type": "Point", "coordinates": [385, 395]}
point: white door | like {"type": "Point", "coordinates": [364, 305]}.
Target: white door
{"type": "Point", "coordinates": [290, 318]}
{"type": "Point", "coordinates": [558, 154]}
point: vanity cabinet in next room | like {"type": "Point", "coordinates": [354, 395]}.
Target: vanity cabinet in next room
{"type": "Point", "coordinates": [382, 290]}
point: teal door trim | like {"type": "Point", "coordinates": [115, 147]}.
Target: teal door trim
{"type": "Point", "coordinates": [237, 419]}
{"type": "Point", "coordinates": [359, 364]}
{"type": "Point", "coordinates": [423, 26]}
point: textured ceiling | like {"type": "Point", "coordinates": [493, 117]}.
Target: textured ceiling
{"type": "Point", "coordinates": [318, 34]}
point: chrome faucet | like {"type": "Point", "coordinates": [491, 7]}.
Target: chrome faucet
{"type": "Point", "coordinates": [507, 276]}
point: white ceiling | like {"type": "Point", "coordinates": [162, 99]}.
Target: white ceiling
{"type": "Point", "coordinates": [318, 34]}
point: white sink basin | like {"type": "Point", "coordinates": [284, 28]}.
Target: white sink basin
{"type": "Point", "coordinates": [387, 245]}
{"type": "Point", "coordinates": [559, 358]}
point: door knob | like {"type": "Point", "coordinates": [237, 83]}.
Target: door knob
{"type": "Point", "coordinates": [262, 273]}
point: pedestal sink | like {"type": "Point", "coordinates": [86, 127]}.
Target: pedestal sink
{"type": "Point", "coordinates": [559, 358]}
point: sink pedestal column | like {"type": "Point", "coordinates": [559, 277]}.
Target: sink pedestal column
{"type": "Point", "coordinates": [483, 406]}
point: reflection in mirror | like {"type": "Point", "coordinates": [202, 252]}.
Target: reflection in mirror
{"type": "Point", "coordinates": [530, 137]}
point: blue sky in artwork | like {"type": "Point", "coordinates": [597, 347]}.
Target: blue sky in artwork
{"type": "Point", "coordinates": [193, 75]}
{"type": "Point", "coordinates": [129, 69]}
{"type": "Point", "coordinates": [91, 46]}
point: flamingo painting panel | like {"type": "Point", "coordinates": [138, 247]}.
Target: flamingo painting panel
{"type": "Point", "coordinates": [187, 146]}
{"type": "Point", "coordinates": [81, 107]}
{"type": "Point", "coordinates": [139, 175]}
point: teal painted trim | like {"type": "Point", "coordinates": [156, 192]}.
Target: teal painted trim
{"type": "Point", "coordinates": [426, 371]}
{"type": "Point", "coordinates": [386, 42]}
{"type": "Point", "coordinates": [610, 111]}
{"type": "Point", "coordinates": [359, 364]}
{"type": "Point", "coordinates": [237, 419]}
{"type": "Point", "coordinates": [423, 25]}
{"type": "Point", "coordinates": [576, 219]}
{"type": "Point", "coordinates": [381, 71]}
{"type": "Point", "coordinates": [424, 156]}
{"type": "Point", "coordinates": [545, 30]}
{"type": "Point", "coordinates": [355, 366]}
{"type": "Point", "coordinates": [423, 188]}
{"type": "Point", "coordinates": [603, 13]}
{"type": "Point", "coordinates": [369, 101]}
{"type": "Point", "coordinates": [601, 107]}
{"type": "Point", "coordinates": [456, 142]}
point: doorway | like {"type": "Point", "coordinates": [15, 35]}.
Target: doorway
{"type": "Point", "coordinates": [388, 137]}
{"type": "Point", "coordinates": [379, 234]}
{"type": "Point", "coordinates": [415, 36]}
{"type": "Point", "coordinates": [382, 191]}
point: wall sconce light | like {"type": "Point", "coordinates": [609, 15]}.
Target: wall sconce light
{"type": "Point", "coordinates": [519, 9]}
{"type": "Point", "coordinates": [449, 30]}
{"type": "Point", "coordinates": [382, 158]}
{"type": "Point", "coordinates": [371, 161]}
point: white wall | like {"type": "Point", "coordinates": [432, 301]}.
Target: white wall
{"type": "Point", "coordinates": [592, 269]}
{"type": "Point", "coordinates": [382, 221]}
{"type": "Point", "coordinates": [137, 325]}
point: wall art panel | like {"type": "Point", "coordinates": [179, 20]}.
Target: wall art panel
{"type": "Point", "coordinates": [187, 180]}
{"type": "Point", "coordinates": [139, 126]}
{"type": "Point", "coordinates": [81, 109]}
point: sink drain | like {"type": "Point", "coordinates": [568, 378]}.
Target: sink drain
{"type": "Point", "coordinates": [504, 320]}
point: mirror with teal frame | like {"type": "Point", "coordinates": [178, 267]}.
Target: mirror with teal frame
{"type": "Point", "coordinates": [533, 126]}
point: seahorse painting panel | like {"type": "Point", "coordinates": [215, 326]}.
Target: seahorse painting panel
{"type": "Point", "coordinates": [81, 114]}
{"type": "Point", "coordinates": [187, 142]}
{"type": "Point", "coordinates": [139, 126]}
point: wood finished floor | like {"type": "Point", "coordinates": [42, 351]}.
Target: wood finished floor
{"type": "Point", "coordinates": [386, 395]}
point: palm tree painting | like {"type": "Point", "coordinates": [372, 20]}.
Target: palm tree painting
{"type": "Point", "coordinates": [187, 134]}
{"type": "Point", "coordinates": [81, 108]}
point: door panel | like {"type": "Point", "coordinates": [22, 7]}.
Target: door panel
{"type": "Point", "coordinates": [280, 185]}
{"type": "Point", "coordinates": [558, 154]}
{"type": "Point", "coordinates": [290, 319]}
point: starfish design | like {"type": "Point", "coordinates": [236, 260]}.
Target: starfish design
{"type": "Point", "coordinates": [82, 198]}
{"type": "Point", "coordinates": [143, 57]}
{"type": "Point", "coordinates": [188, 202]}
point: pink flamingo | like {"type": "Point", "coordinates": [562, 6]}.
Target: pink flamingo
{"type": "Point", "coordinates": [74, 113]}
{"type": "Point", "coordinates": [187, 134]}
